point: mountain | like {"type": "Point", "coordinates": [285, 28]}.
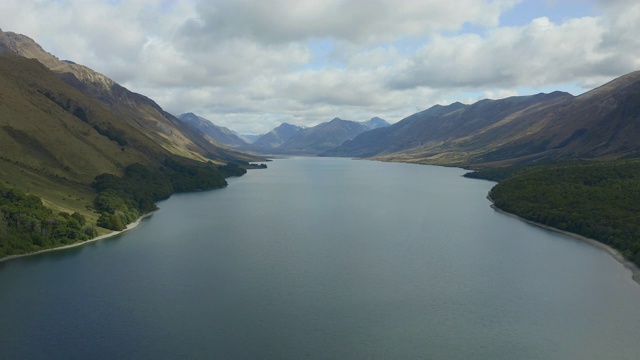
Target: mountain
{"type": "Point", "coordinates": [62, 125]}
{"type": "Point", "coordinates": [134, 110]}
{"type": "Point", "coordinates": [219, 134]}
{"type": "Point", "coordinates": [291, 139]}
{"type": "Point", "coordinates": [394, 137]}
{"type": "Point", "coordinates": [601, 124]}
{"type": "Point", "coordinates": [375, 123]}
{"type": "Point", "coordinates": [52, 135]}
{"type": "Point", "coordinates": [322, 137]}
{"type": "Point", "coordinates": [276, 137]}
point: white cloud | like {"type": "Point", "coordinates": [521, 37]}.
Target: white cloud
{"type": "Point", "coordinates": [533, 55]}
{"type": "Point", "coordinates": [250, 65]}
{"type": "Point", "coordinates": [358, 21]}
{"type": "Point", "coordinates": [497, 94]}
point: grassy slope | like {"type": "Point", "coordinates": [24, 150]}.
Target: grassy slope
{"type": "Point", "coordinates": [55, 140]}
{"type": "Point", "coordinates": [44, 149]}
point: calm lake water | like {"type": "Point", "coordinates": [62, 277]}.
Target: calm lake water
{"type": "Point", "coordinates": [318, 258]}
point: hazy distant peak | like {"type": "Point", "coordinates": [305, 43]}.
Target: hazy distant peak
{"type": "Point", "coordinates": [189, 116]}
{"type": "Point", "coordinates": [287, 126]}
{"type": "Point", "coordinates": [375, 123]}
{"type": "Point", "coordinates": [220, 134]}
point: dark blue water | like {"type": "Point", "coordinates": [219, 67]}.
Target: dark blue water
{"type": "Point", "coordinates": [324, 259]}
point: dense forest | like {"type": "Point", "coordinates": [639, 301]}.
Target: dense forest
{"type": "Point", "coordinates": [26, 225]}
{"type": "Point", "coordinates": [598, 200]}
{"type": "Point", "coordinates": [121, 200]}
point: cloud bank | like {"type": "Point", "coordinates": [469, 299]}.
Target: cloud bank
{"type": "Point", "coordinates": [250, 65]}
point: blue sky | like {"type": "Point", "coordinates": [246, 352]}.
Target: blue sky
{"type": "Point", "coordinates": [556, 10]}
{"type": "Point", "coordinates": [251, 65]}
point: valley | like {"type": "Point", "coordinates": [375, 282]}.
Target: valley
{"type": "Point", "coordinates": [64, 127]}
{"type": "Point", "coordinates": [320, 179]}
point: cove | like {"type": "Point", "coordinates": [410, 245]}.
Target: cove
{"type": "Point", "coordinates": [322, 258]}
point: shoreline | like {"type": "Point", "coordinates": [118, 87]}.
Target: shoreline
{"type": "Point", "coordinates": [80, 243]}
{"type": "Point", "coordinates": [615, 254]}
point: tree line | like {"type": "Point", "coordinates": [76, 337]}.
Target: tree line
{"type": "Point", "coordinates": [26, 225]}
{"type": "Point", "coordinates": [121, 200]}
{"type": "Point", "coordinates": [598, 200]}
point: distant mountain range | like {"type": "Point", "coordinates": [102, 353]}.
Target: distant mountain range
{"type": "Point", "coordinates": [294, 140]}
{"type": "Point", "coordinates": [601, 124]}
{"type": "Point", "coordinates": [286, 139]}
{"type": "Point", "coordinates": [276, 137]}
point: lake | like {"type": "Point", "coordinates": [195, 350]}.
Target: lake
{"type": "Point", "coordinates": [323, 258]}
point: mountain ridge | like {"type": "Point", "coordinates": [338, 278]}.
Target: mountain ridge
{"type": "Point", "coordinates": [599, 124]}
{"type": "Point", "coordinates": [321, 137]}
{"type": "Point", "coordinates": [294, 140]}
{"type": "Point", "coordinates": [137, 110]}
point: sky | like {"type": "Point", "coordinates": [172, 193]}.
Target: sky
{"type": "Point", "coordinates": [251, 65]}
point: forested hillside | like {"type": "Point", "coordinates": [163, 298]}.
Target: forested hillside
{"type": "Point", "coordinates": [26, 225]}
{"type": "Point", "coordinates": [121, 200]}
{"type": "Point", "coordinates": [600, 201]}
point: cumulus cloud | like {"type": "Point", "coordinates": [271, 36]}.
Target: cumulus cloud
{"type": "Point", "coordinates": [533, 55]}
{"type": "Point", "coordinates": [359, 21]}
{"type": "Point", "coordinates": [250, 65]}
